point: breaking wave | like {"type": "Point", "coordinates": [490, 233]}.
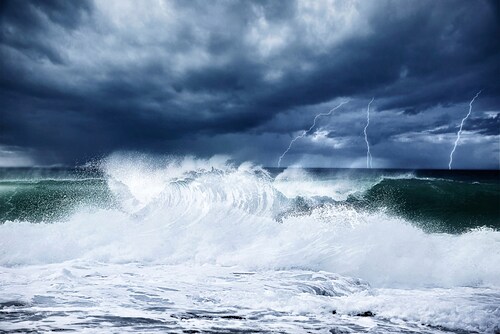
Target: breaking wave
{"type": "Point", "coordinates": [187, 210]}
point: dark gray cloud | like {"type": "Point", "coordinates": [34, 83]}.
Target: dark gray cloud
{"type": "Point", "coordinates": [81, 79]}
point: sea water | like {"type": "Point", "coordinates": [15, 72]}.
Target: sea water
{"type": "Point", "coordinates": [187, 245]}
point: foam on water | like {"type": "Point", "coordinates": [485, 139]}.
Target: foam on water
{"type": "Point", "coordinates": [293, 182]}
{"type": "Point", "coordinates": [90, 296]}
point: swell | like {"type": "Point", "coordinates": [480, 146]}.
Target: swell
{"type": "Point", "coordinates": [436, 204]}
{"type": "Point", "coordinates": [50, 200]}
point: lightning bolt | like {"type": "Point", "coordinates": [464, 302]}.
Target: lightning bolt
{"type": "Point", "coordinates": [368, 154]}
{"type": "Point", "coordinates": [308, 130]}
{"type": "Point", "coordinates": [460, 130]}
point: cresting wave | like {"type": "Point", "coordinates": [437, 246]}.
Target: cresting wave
{"type": "Point", "coordinates": [187, 210]}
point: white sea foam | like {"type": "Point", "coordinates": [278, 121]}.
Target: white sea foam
{"type": "Point", "coordinates": [136, 297]}
{"type": "Point", "coordinates": [293, 182]}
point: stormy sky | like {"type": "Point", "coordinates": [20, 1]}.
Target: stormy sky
{"type": "Point", "coordinates": [82, 79]}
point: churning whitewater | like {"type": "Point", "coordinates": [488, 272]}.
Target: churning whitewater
{"type": "Point", "coordinates": [184, 244]}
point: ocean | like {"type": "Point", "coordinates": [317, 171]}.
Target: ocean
{"type": "Point", "coordinates": [187, 245]}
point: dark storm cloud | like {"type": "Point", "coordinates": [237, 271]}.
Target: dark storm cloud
{"type": "Point", "coordinates": [25, 22]}
{"type": "Point", "coordinates": [486, 126]}
{"type": "Point", "coordinates": [80, 79]}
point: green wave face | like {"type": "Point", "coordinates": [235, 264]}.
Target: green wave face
{"type": "Point", "coordinates": [437, 205]}
{"type": "Point", "coordinates": [50, 200]}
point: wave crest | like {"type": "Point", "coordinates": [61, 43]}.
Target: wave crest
{"type": "Point", "coordinates": [187, 184]}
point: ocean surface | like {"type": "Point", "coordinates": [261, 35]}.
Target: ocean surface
{"type": "Point", "coordinates": [186, 245]}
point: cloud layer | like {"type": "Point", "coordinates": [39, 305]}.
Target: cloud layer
{"type": "Point", "coordinates": [81, 79]}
